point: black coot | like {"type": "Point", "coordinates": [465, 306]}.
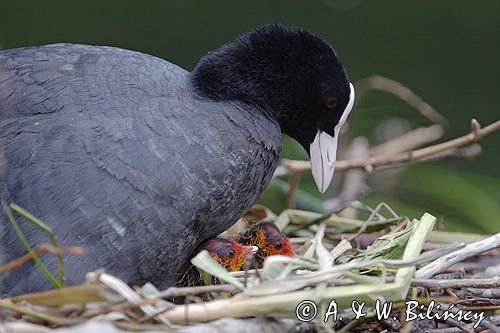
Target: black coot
{"type": "Point", "coordinates": [139, 160]}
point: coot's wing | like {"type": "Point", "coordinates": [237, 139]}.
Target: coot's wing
{"type": "Point", "coordinates": [116, 139]}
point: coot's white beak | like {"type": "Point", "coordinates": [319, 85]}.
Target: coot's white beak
{"type": "Point", "coordinates": [323, 150]}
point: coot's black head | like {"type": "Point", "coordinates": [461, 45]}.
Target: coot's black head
{"type": "Point", "coordinates": [292, 74]}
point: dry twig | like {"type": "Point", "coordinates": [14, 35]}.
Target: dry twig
{"type": "Point", "coordinates": [39, 315]}
{"type": "Point", "coordinates": [371, 163]}
{"type": "Point", "coordinates": [186, 291]}
{"type": "Point", "coordinates": [457, 283]}
{"type": "Point", "coordinates": [377, 82]}
{"type": "Point", "coordinates": [469, 251]}
{"type": "Point", "coordinates": [39, 249]}
{"type": "Point", "coordinates": [410, 140]}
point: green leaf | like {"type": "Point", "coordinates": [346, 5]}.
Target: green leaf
{"type": "Point", "coordinates": [205, 262]}
{"type": "Point", "coordinates": [27, 246]}
{"type": "Point", "coordinates": [45, 228]}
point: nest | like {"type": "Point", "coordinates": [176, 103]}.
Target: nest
{"type": "Point", "coordinates": [330, 286]}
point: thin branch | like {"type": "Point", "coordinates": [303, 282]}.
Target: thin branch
{"type": "Point", "coordinates": [468, 152]}
{"type": "Point", "coordinates": [122, 307]}
{"type": "Point", "coordinates": [129, 294]}
{"type": "Point", "coordinates": [446, 261]}
{"type": "Point", "coordinates": [485, 293]}
{"type": "Point", "coordinates": [39, 315]}
{"type": "Point", "coordinates": [445, 330]}
{"type": "Point", "coordinates": [27, 246]}
{"type": "Point", "coordinates": [39, 249]}
{"type": "Point", "coordinates": [186, 291]}
{"type": "Point", "coordinates": [457, 283]}
{"type": "Point", "coordinates": [410, 140]}
{"type": "Point", "coordinates": [369, 164]}
{"type": "Point", "coordinates": [293, 182]}
{"type": "Point", "coordinates": [261, 324]}
{"type": "Point", "coordinates": [377, 82]}
{"type": "Point", "coordinates": [46, 229]}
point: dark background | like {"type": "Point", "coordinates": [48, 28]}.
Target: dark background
{"type": "Point", "coordinates": [446, 51]}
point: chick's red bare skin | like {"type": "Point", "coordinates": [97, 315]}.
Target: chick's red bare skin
{"type": "Point", "coordinates": [270, 241]}
{"type": "Point", "coordinates": [228, 253]}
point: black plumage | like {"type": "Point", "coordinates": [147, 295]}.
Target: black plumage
{"type": "Point", "coordinates": [139, 160]}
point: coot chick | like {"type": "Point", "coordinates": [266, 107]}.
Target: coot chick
{"type": "Point", "coordinates": [228, 253]}
{"type": "Point", "coordinates": [269, 240]}
{"type": "Point", "coordinates": [140, 161]}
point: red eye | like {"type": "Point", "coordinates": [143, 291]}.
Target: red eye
{"type": "Point", "coordinates": [331, 103]}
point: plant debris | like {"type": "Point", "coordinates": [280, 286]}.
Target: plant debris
{"type": "Point", "coordinates": [446, 281]}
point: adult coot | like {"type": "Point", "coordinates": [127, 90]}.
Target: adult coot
{"type": "Point", "coordinates": [139, 160]}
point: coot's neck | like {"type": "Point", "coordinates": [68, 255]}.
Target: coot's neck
{"type": "Point", "coordinates": [221, 76]}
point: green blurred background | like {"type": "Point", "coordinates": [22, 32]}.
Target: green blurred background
{"type": "Point", "coordinates": [446, 51]}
